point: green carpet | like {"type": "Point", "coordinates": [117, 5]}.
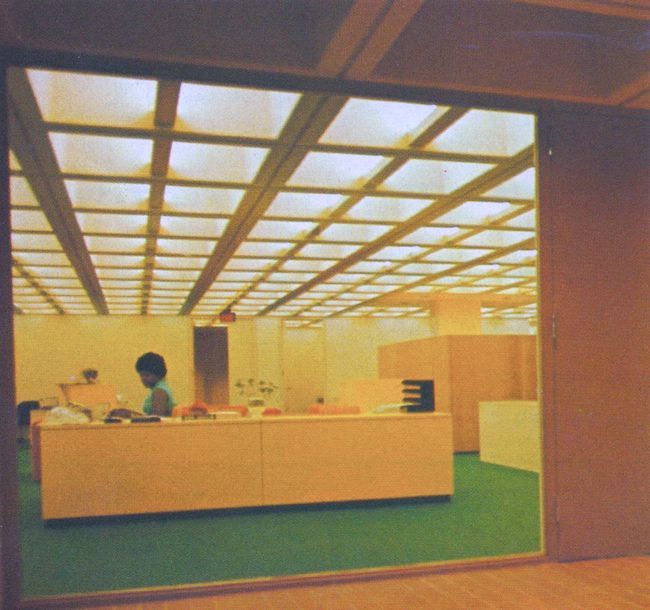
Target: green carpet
{"type": "Point", "coordinates": [495, 511]}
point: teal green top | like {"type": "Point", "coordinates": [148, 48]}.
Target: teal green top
{"type": "Point", "coordinates": [147, 406]}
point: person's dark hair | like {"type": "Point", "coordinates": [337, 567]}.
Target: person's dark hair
{"type": "Point", "coordinates": [151, 363]}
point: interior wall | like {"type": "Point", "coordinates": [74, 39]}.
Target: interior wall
{"type": "Point", "coordinates": [351, 346]}
{"type": "Point", "coordinates": [595, 290]}
{"type": "Point", "coordinates": [304, 367]}
{"type": "Point", "coordinates": [51, 349]}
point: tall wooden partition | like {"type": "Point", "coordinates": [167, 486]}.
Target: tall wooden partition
{"type": "Point", "coordinates": [594, 199]}
{"type": "Point", "coordinates": [466, 369]}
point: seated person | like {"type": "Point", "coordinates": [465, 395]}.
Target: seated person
{"type": "Point", "coordinates": [152, 369]}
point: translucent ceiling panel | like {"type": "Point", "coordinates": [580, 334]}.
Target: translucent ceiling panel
{"type": "Point", "coordinates": [181, 262]}
{"type": "Point", "coordinates": [397, 253]}
{"type": "Point", "coordinates": [290, 277]}
{"type": "Point", "coordinates": [115, 244]}
{"type": "Point", "coordinates": [377, 123]}
{"type": "Point", "coordinates": [238, 276]}
{"type": "Point", "coordinates": [26, 241]}
{"type": "Point", "coordinates": [190, 247]}
{"type": "Point", "coordinates": [336, 170]}
{"type": "Point", "coordinates": [304, 205]}
{"type": "Point", "coordinates": [520, 256]}
{"type": "Point", "coordinates": [497, 238]}
{"type": "Point", "coordinates": [215, 162]}
{"type": "Point", "coordinates": [94, 100]}
{"type": "Point", "coordinates": [276, 229]}
{"type": "Point", "coordinates": [41, 258]}
{"type": "Point", "coordinates": [427, 268]}
{"type": "Point", "coordinates": [102, 155]}
{"type": "Point", "coordinates": [20, 192]}
{"type": "Point", "coordinates": [392, 278]}
{"type": "Point", "coordinates": [424, 176]}
{"type": "Point", "coordinates": [487, 132]}
{"type": "Point", "coordinates": [355, 233]}
{"type": "Point", "coordinates": [370, 267]}
{"type": "Point", "coordinates": [480, 270]}
{"type": "Point", "coordinates": [203, 200]}
{"type": "Point", "coordinates": [496, 281]}
{"type": "Point", "coordinates": [474, 212]}
{"type": "Point", "coordinates": [175, 274]}
{"type": "Point", "coordinates": [456, 255]}
{"type": "Point", "coordinates": [523, 221]}
{"type": "Point", "coordinates": [29, 220]}
{"type": "Point", "coordinates": [387, 208]}
{"type": "Point", "coordinates": [307, 265]}
{"type": "Point", "coordinates": [521, 272]}
{"type": "Point", "coordinates": [466, 290]}
{"type": "Point", "coordinates": [227, 110]}
{"type": "Point", "coordinates": [116, 260]}
{"type": "Point", "coordinates": [427, 236]}
{"type": "Point", "coordinates": [260, 249]}
{"type": "Point", "coordinates": [108, 195]}
{"type": "Point", "coordinates": [328, 251]}
{"type": "Point", "coordinates": [522, 186]}
{"type": "Point", "coordinates": [199, 227]}
{"type": "Point", "coordinates": [249, 264]}
{"type": "Point", "coordinates": [131, 224]}
{"type": "Point", "coordinates": [119, 274]}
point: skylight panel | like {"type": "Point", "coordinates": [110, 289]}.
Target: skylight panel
{"type": "Point", "coordinates": [424, 176]}
{"type": "Point", "coordinates": [496, 281]}
{"type": "Point", "coordinates": [521, 186]}
{"type": "Point", "coordinates": [108, 195]}
{"type": "Point", "coordinates": [238, 276]}
{"type": "Point", "coordinates": [466, 290]}
{"type": "Point", "coordinates": [220, 286]}
{"type": "Point", "coordinates": [116, 260]}
{"type": "Point", "coordinates": [336, 170]}
{"type": "Point", "coordinates": [427, 236]}
{"type": "Point", "coordinates": [487, 132]}
{"type": "Point", "coordinates": [42, 258]}
{"type": "Point", "coordinates": [249, 264]}
{"type": "Point", "coordinates": [456, 255]}
{"type": "Point", "coordinates": [192, 227]}
{"type": "Point", "coordinates": [276, 229]}
{"type": "Point", "coordinates": [60, 282]}
{"type": "Point", "coordinates": [166, 284]}
{"type": "Point", "coordinates": [331, 251]}
{"type": "Point", "coordinates": [29, 220]}
{"type": "Point", "coordinates": [377, 288]}
{"type": "Point", "coordinates": [218, 162]}
{"type": "Point", "coordinates": [181, 262]}
{"type": "Point", "coordinates": [474, 212]}
{"type": "Point", "coordinates": [227, 110]}
{"type": "Point", "coordinates": [119, 274]}
{"type": "Point", "coordinates": [290, 277]}
{"type": "Point", "coordinates": [102, 155]}
{"type": "Point", "coordinates": [269, 286]}
{"type": "Point", "coordinates": [132, 224]}
{"type": "Point", "coordinates": [426, 268]}
{"type": "Point", "coordinates": [261, 249]}
{"type": "Point", "coordinates": [92, 99]}
{"type": "Point", "coordinates": [21, 192]}
{"type": "Point", "coordinates": [377, 123]}
{"type": "Point", "coordinates": [520, 256]}
{"type": "Point", "coordinates": [397, 253]}
{"type": "Point", "coordinates": [356, 233]}
{"type": "Point", "coordinates": [478, 270]}
{"type": "Point", "coordinates": [307, 265]}
{"type": "Point", "coordinates": [397, 279]}
{"type": "Point", "coordinates": [497, 238]}
{"type": "Point", "coordinates": [41, 272]}
{"type": "Point", "coordinates": [190, 247]}
{"type": "Point", "coordinates": [26, 241]}
{"type": "Point", "coordinates": [122, 287]}
{"type": "Point", "coordinates": [521, 272]}
{"type": "Point", "coordinates": [304, 205]}
{"type": "Point", "coordinates": [388, 209]}
{"type": "Point", "coordinates": [349, 278]}
{"type": "Point", "coordinates": [115, 244]}
{"type": "Point", "coordinates": [202, 200]}
{"type": "Point", "coordinates": [175, 274]}
{"type": "Point", "coordinates": [370, 267]}
{"type": "Point", "coordinates": [523, 221]}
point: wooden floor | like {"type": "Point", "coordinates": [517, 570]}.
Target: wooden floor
{"type": "Point", "coordinates": [610, 584]}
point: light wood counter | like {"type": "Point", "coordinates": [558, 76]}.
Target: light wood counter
{"type": "Point", "coordinates": [119, 469]}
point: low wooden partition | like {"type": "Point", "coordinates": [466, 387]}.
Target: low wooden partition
{"type": "Point", "coordinates": [120, 469]}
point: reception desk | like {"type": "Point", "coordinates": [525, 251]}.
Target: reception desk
{"type": "Point", "coordinates": [99, 469]}
{"type": "Point", "coordinates": [510, 434]}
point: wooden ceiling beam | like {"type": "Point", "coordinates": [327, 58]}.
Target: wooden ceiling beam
{"type": "Point", "coordinates": [311, 117]}
{"type": "Point", "coordinates": [30, 143]}
{"type": "Point", "coordinates": [22, 272]}
{"type": "Point", "coordinates": [164, 117]}
{"type": "Point", "coordinates": [630, 91]}
{"type": "Point", "coordinates": [630, 9]}
{"type": "Point", "coordinates": [486, 181]}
